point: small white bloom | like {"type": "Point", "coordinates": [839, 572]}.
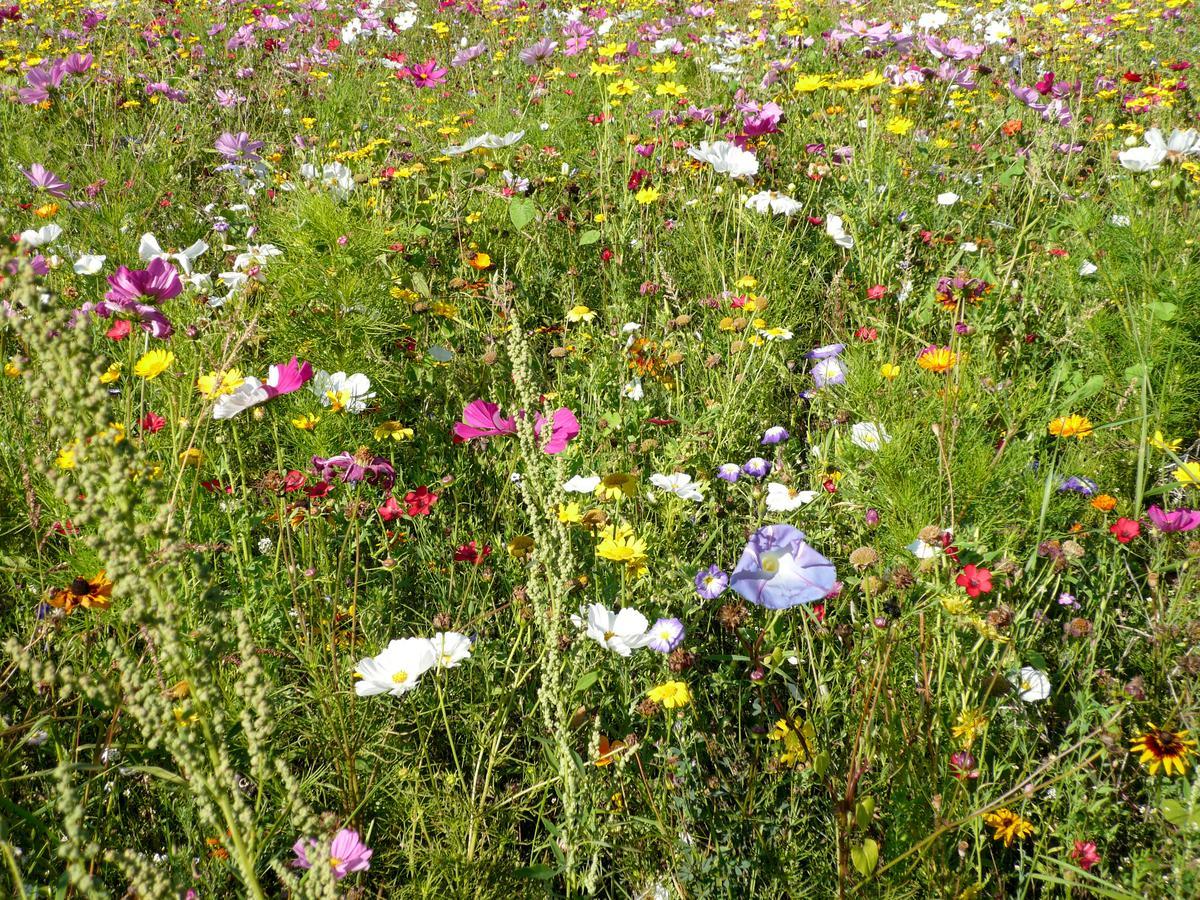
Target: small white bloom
{"type": "Point", "coordinates": [1032, 685]}
{"type": "Point", "coordinates": [40, 237]}
{"type": "Point", "coordinates": [450, 648]}
{"type": "Point", "coordinates": [632, 390]}
{"type": "Point", "coordinates": [679, 484]}
{"type": "Point", "coordinates": [726, 158]}
{"type": "Point", "coordinates": [149, 249]}
{"type": "Point", "coordinates": [922, 550]}
{"type": "Point", "coordinates": [487, 141]}
{"type": "Point", "coordinates": [582, 484]}
{"type": "Point", "coordinates": [1088, 268]}
{"type": "Point", "coordinates": [342, 391]}
{"type": "Point", "coordinates": [781, 498]}
{"type": "Point", "coordinates": [622, 632]}
{"type": "Point", "coordinates": [246, 395]}
{"type": "Point", "coordinates": [773, 202]}
{"type": "Point", "coordinates": [949, 198]}
{"type": "Point", "coordinates": [89, 264]}
{"type": "Point", "coordinates": [1119, 221]}
{"type": "Point", "coordinates": [834, 228]}
{"type": "Point", "coordinates": [869, 435]}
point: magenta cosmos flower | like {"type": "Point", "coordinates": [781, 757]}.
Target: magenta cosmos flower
{"type": "Point", "coordinates": [1176, 520]}
{"type": "Point", "coordinates": [134, 292]}
{"type": "Point", "coordinates": [354, 467]}
{"type": "Point", "coordinates": [482, 418]}
{"type": "Point", "coordinates": [425, 75]}
{"type": "Point", "coordinates": [347, 853]}
{"type": "Point", "coordinates": [779, 570]}
{"type": "Point", "coordinates": [42, 178]}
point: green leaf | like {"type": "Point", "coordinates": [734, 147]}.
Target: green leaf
{"type": "Point", "coordinates": [1163, 311]}
{"type": "Point", "coordinates": [521, 212]}
{"type": "Point", "coordinates": [1092, 386]}
{"type": "Point", "coordinates": [864, 811]}
{"type": "Point", "coordinates": [541, 872]}
{"type": "Point", "coordinates": [1137, 372]}
{"type": "Point", "coordinates": [589, 237]}
{"type": "Point", "coordinates": [586, 680]}
{"type": "Point", "coordinates": [420, 285]}
{"type": "Point", "coordinates": [1178, 814]}
{"type": "Point", "coordinates": [1016, 170]}
{"type": "Point", "coordinates": [865, 857]}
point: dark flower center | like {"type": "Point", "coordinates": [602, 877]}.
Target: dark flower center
{"type": "Point", "coordinates": [80, 587]}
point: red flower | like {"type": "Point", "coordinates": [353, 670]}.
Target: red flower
{"type": "Point", "coordinates": [119, 330]}
{"type": "Point", "coordinates": [1125, 530]}
{"type": "Point", "coordinates": [468, 552]}
{"type": "Point", "coordinates": [152, 422]}
{"type": "Point", "coordinates": [819, 611]}
{"type": "Point", "coordinates": [320, 489]}
{"type": "Point", "coordinates": [876, 291]}
{"type": "Point", "coordinates": [1084, 853]}
{"type": "Point", "coordinates": [390, 510]}
{"type": "Point", "coordinates": [975, 580]}
{"type": "Point", "coordinates": [866, 333]}
{"type": "Point", "coordinates": [214, 487]}
{"type": "Point", "coordinates": [420, 501]}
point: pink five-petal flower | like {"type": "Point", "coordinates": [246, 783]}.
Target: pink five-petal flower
{"type": "Point", "coordinates": [483, 419]}
{"type": "Point", "coordinates": [288, 377]}
{"type": "Point", "coordinates": [564, 426]}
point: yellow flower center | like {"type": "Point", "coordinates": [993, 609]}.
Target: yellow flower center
{"type": "Point", "coordinates": [400, 677]}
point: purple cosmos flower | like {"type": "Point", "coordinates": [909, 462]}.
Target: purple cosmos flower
{"type": "Point", "coordinates": [43, 179]}
{"type": "Point", "coordinates": [467, 54]}
{"type": "Point", "coordinates": [665, 635]}
{"type": "Point", "coordinates": [41, 80]}
{"type": "Point", "coordinates": [159, 280]}
{"type": "Point", "coordinates": [757, 467]}
{"type": "Point", "coordinates": [828, 371]}
{"type": "Point", "coordinates": [730, 472]}
{"type": "Point", "coordinates": [354, 467]}
{"type": "Point", "coordinates": [347, 853]}
{"type": "Point", "coordinates": [538, 53]}
{"type": "Point", "coordinates": [711, 582]}
{"type": "Point", "coordinates": [238, 147]}
{"type": "Point", "coordinates": [779, 570]}
{"type": "Point", "coordinates": [1176, 520]}
{"type": "Point", "coordinates": [775, 435]}
{"type": "Point", "coordinates": [77, 64]}
{"type": "Point", "coordinates": [955, 48]}
{"type": "Point", "coordinates": [1084, 486]}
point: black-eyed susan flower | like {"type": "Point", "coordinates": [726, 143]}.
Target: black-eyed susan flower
{"type": "Point", "coordinates": [1160, 748]}
{"type": "Point", "coordinates": [1008, 826]}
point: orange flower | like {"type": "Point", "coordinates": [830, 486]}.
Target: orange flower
{"type": "Point", "coordinates": [1012, 126]}
{"type": "Point", "coordinates": [937, 359]}
{"type": "Point", "coordinates": [1075, 426]}
{"type": "Point", "coordinates": [90, 593]}
{"type": "Point", "coordinates": [1105, 503]}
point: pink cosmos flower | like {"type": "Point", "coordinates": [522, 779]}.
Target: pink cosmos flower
{"type": "Point", "coordinates": [1176, 520]}
{"type": "Point", "coordinates": [425, 75]}
{"type": "Point", "coordinates": [288, 377]}
{"type": "Point", "coordinates": [483, 419]}
{"type": "Point", "coordinates": [347, 853]}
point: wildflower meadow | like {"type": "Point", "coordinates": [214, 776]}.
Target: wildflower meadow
{"type": "Point", "coordinates": [652, 449]}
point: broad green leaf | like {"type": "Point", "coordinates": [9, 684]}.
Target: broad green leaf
{"type": "Point", "coordinates": [521, 212]}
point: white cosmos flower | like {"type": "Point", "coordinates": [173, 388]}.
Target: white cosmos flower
{"type": "Point", "coordinates": [834, 228]}
{"type": "Point", "coordinates": [89, 264]}
{"type": "Point", "coordinates": [622, 632]}
{"type": "Point", "coordinates": [949, 198]}
{"type": "Point", "coordinates": [679, 484]}
{"type": "Point", "coordinates": [1033, 685]}
{"type": "Point", "coordinates": [773, 201]}
{"type": "Point", "coordinates": [40, 237]}
{"type": "Point", "coordinates": [582, 484]}
{"type": "Point", "coordinates": [488, 141]}
{"type": "Point", "coordinates": [149, 249]}
{"type": "Point", "coordinates": [781, 498]}
{"type": "Point", "coordinates": [247, 394]}
{"type": "Point", "coordinates": [342, 391]}
{"type": "Point", "coordinates": [931, 21]}
{"type": "Point", "coordinates": [869, 435]}
{"type": "Point", "coordinates": [450, 648]}
{"type": "Point", "coordinates": [396, 670]}
{"type": "Point", "coordinates": [405, 20]}
{"type": "Point", "coordinates": [255, 255]}
{"type": "Point", "coordinates": [335, 177]}
{"type": "Point", "coordinates": [922, 550]}
{"type": "Point", "coordinates": [726, 158]}
{"type": "Point", "coordinates": [1157, 150]}
{"type": "Point", "coordinates": [1088, 268]}
{"type": "Point", "coordinates": [632, 390]}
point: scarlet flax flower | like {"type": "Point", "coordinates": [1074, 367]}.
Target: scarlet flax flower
{"type": "Point", "coordinates": [975, 580]}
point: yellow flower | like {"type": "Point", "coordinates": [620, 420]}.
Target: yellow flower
{"type": "Point", "coordinates": [937, 359]}
{"type": "Point", "coordinates": [1168, 749]}
{"type": "Point", "coordinates": [647, 195]}
{"type": "Point", "coordinates": [520, 547]}
{"type": "Point", "coordinates": [393, 430]}
{"type": "Point", "coordinates": [580, 313]}
{"type": "Point", "coordinates": [622, 87]}
{"type": "Point", "coordinates": [214, 384]}
{"type": "Point", "coordinates": [623, 548]}
{"type": "Point", "coordinates": [1008, 826]}
{"type": "Point", "coordinates": [670, 89]}
{"type": "Point", "coordinates": [66, 457]}
{"type": "Point", "coordinates": [480, 261]}
{"type": "Point", "coordinates": [47, 211]}
{"type": "Point", "coordinates": [671, 695]}
{"type": "Point", "coordinates": [191, 457]}
{"type": "Point", "coordinates": [971, 723]}
{"type": "Point", "coordinates": [664, 67]}
{"type": "Point", "coordinates": [900, 125]}
{"type": "Point", "coordinates": [889, 370]}
{"type": "Point", "coordinates": [306, 422]}
{"type": "Point", "coordinates": [569, 513]}
{"type": "Point", "coordinates": [616, 486]}
{"type": "Point", "coordinates": [799, 745]}
{"type": "Point", "coordinates": [1158, 442]}
{"type": "Point", "coordinates": [1073, 425]}
{"type": "Point", "coordinates": [1188, 474]}
{"type": "Point", "coordinates": [153, 363]}
{"type": "Point", "coordinates": [111, 374]}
